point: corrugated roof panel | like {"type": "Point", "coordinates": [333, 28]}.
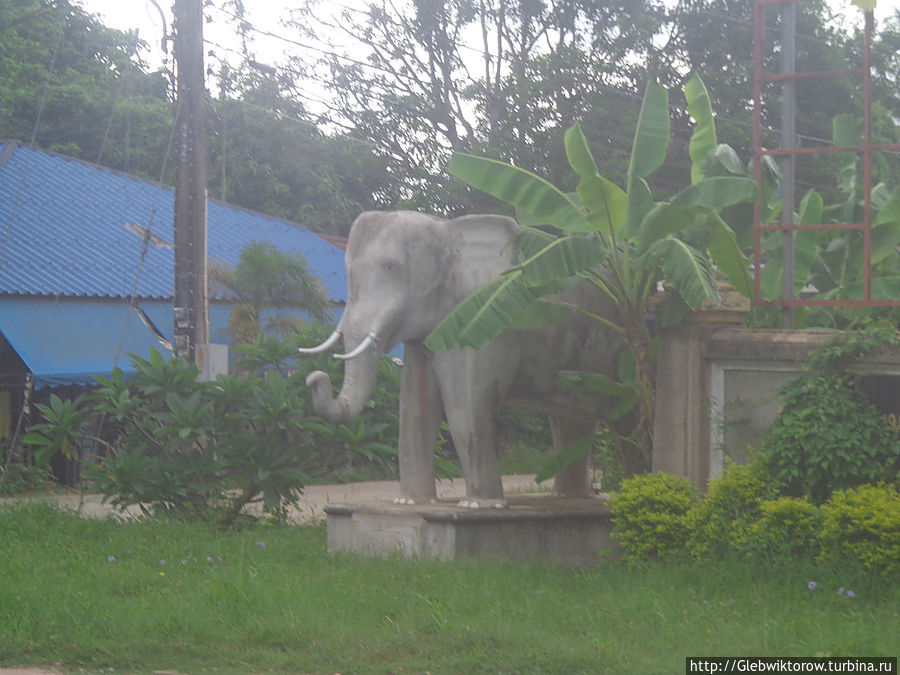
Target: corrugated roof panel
{"type": "Point", "coordinates": [63, 232]}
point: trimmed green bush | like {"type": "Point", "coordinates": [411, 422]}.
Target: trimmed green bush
{"type": "Point", "coordinates": [862, 525]}
{"type": "Point", "coordinates": [650, 515]}
{"type": "Point", "coordinates": [788, 526]}
{"type": "Point", "coordinates": [724, 520]}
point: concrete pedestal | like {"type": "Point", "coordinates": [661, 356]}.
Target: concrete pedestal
{"type": "Point", "coordinates": [573, 531]}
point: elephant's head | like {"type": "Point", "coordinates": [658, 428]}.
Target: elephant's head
{"type": "Point", "coordinates": [405, 272]}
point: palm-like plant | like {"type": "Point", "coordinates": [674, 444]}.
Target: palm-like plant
{"type": "Point", "coordinates": [622, 241]}
{"type": "Point", "coordinates": [266, 278]}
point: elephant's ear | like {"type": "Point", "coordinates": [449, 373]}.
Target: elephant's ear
{"type": "Point", "coordinates": [487, 231]}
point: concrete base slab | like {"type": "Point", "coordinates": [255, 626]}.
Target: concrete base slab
{"type": "Point", "coordinates": [573, 531]}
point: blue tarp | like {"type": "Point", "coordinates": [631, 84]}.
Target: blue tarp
{"type": "Point", "coordinates": [69, 341]}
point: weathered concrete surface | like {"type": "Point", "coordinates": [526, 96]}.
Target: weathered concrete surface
{"type": "Point", "coordinates": [313, 500]}
{"type": "Point", "coordinates": [573, 531]}
{"type": "Point", "coordinates": [717, 390]}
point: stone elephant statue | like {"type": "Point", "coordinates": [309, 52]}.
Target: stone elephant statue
{"type": "Point", "coordinates": [406, 271]}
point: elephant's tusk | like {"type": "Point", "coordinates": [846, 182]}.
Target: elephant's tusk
{"type": "Point", "coordinates": [370, 339]}
{"type": "Point", "coordinates": [334, 337]}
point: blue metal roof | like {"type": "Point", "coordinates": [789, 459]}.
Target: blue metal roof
{"type": "Point", "coordinates": [64, 230]}
{"type": "Point", "coordinates": [69, 341]}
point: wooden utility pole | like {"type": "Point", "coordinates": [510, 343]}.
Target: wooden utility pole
{"type": "Point", "coordinates": [191, 298]}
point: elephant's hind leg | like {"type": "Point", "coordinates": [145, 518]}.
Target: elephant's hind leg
{"type": "Point", "coordinates": [574, 480]}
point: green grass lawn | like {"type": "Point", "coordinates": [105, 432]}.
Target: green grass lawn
{"type": "Point", "coordinates": [139, 597]}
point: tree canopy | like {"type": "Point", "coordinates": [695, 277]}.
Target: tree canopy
{"type": "Point", "coordinates": [409, 82]}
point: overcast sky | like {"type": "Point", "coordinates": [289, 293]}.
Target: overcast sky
{"type": "Point", "coordinates": [143, 15]}
{"type": "Point", "coordinates": [264, 14]}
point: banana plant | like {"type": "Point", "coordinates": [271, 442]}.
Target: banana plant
{"type": "Point", "coordinates": [831, 262]}
{"type": "Point", "coordinates": [621, 240]}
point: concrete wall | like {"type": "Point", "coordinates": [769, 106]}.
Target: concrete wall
{"type": "Point", "coordinates": [717, 390]}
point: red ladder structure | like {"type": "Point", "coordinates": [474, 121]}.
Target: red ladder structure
{"type": "Point", "coordinates": [866, 149]}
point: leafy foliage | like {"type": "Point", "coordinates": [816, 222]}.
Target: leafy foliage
{"type": "Point", "coordinates": [862, 525]}
{"type": "Point", "coordinates": [828, 435]}
{"type": "Point", "coordinates": [650, 515]}
{"type": "Point", "coordinates": [787, 527]}
{"type": "Point", "coordinates": [724, 520]}
{"type": "Point", "coordinates": [186, 448]}
{"type": "Point", "coordinates": [659, 516]}
{"type": "Point", "coordinates": [266, 278]}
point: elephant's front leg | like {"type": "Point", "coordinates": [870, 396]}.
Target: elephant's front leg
{"type": "Point", "coordinates": [472, 389]}
{"type": "Point", "coordinates": [420, 421]}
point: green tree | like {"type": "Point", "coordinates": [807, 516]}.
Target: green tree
{"type": "Point", "coordinates": [75, 86]}
{"type": "Point", "coordinates": [622, 241]}
{"type": "Point", "coordinates": [266, 278]}
{"type": "Point", "coordinates": [418, 86]}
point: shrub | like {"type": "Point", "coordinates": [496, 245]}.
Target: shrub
{"type": "Point", "coordinates": [862, 525]}
{"type": "Point", "coordinates": [190, 448]}
{"type": "Point", "coordinates": [724, 520]}
{"type": "Point", "coordinates": [788, 526]}
{"type": "Point", "coordinates": [650, 515]}
{"type": "Point", "coordinates": [829, 436]}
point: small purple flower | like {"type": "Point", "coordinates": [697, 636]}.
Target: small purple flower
{"type": "Point", "coordinates": [811, 585]}
{"type": "Point", "coordinates": [851, 594]}
{"type": "Point", "coordinates": [110, 558]}
{"type": "Point", "coordinates": [261, 544]}
{"type": "Point", "coordinates": [162, 562]}
{"type": "Point", "coordinates": [841, 590]}
{"type": "Point", "coordinates": [209, 558]}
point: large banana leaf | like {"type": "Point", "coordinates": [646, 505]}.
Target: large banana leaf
{"type": "Point", "coordinates": [606, 202]}
{"type": "Point", "coordinates": [640, 203]}
{"type": "Point", "coordinates": [489, 311]}
{"type": "Point", "coordinates": [521, 189]}
{"type": "Point", "coordinates": [687, 269]}
{"type": "Point", "coordinates": [726, 156]}
{"type": "Point", "coordinates": [717, 192]}
{"type": "Point", "coordinates": [697, 201]}
{"type": "Point", "coordinates": [480, 313]}
{"type": "Point", "coordinates": [648, 152]}
{"type": "Point", "coordinates": [728, 256]}
{"type": "Point", "coordinates": [579, 154]}
{"type": "Point", "coordinates": [883, 288]}
{"type": "Point", "coordinates": [703, 139]}
{"type": "Point", "coordinates": [805, 250]}
{"type": "Point", "coordinates": [543, 313]}
{"type": "Point", "coordinates": [530, 241]}
{"type": "Point", "coordinates": [886, 228]}
{"type": "Point", "coordinates": [564, 257]}
{"type": "Point", "coordinates": [663, 220]}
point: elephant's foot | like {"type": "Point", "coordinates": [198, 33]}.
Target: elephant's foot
{"type": "Point", "coordinates": [405, 501]}
{"type": "Point", "coordinates": [473, 503]}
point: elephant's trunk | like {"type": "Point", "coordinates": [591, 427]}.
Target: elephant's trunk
{"type": "Point", "coordinates": [359, 377]}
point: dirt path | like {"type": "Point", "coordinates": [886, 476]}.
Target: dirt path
{"type": "Point", "coordinates": [314, 499]}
